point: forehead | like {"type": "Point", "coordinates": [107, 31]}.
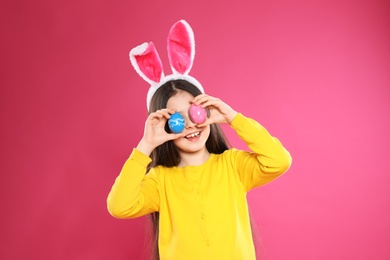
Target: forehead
{"type": "Point", "coordinates": [180, 101]}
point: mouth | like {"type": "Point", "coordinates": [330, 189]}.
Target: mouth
{"type": "Point", "coordinates": [192, 135]}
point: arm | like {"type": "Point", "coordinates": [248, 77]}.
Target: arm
{"type": "Point", "coordinates": [134, 193]}
{"type": "Point", "coordinates": [268, 160]}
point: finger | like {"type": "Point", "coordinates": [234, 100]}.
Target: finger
{"type": "Point", "coordinates": [164, 113]}
{"type": "Point", "coordinates": [208, 121]}
{"type": "Point", "coordinates": [211, 102]}
{"type": "Point", "coordinates": [168, 110]}
{"type": "Point", "coordinates": [155, 118]}
{"type": "Point", "coordinates": [200, 99]}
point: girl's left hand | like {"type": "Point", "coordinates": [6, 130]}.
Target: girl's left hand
{"type": "Point", "coordinates": [220, 112]}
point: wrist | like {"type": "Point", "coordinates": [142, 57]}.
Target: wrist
{"type": "Point", "coordinates": [145, 147]}
{"type": "Point", "coordinates": [231, 116]}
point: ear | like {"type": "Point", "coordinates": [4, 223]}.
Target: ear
{"type": "Point", "coordinates": [147, 62]}
{"type": "Point", "coordinates": [181, 47]}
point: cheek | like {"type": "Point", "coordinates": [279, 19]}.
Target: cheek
{"type": "Point", "coordinates": [206, 132]}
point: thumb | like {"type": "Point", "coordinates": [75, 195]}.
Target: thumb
{"type": "Point", "coordinates": [208, 121]}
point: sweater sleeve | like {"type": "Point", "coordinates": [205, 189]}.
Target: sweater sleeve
{"type": "Point", "coordinates": [134, 194]}
{"type": "Point", "coordinates": [268, 158]}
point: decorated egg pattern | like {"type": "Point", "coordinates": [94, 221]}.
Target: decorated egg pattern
{"type": "Point", "coordinates": [176, 123]}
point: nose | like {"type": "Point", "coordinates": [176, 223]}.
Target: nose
{"type": "Point", "coordinates": [189, 123]}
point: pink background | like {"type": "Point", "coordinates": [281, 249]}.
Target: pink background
{"type": "Point", "coordinates": [314, 73]}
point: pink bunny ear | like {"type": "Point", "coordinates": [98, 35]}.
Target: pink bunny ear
{"type": "Point", "coordinates": [147, 63]}
{"type": "Point", "coordinates": [181, 47]}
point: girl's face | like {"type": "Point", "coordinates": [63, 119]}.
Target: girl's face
{"type": "Point", "coordinates": [195, 137]}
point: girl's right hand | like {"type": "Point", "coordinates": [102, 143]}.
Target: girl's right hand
{"type": "Point", "coordinates": [154, 132]}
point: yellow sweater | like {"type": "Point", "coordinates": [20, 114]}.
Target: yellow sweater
{"type": "Point", "coordinates": [203, 209]}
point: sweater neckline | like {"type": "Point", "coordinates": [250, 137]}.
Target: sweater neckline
{"type": "Point", "coordinates": [203, 165]}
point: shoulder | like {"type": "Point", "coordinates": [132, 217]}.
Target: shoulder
{"type": "Point", "coordinates": [159, 171]}
{"type": "Point", "coordinates": [230, 155]}
{"type": "Point", "coordinates": [233, 152]}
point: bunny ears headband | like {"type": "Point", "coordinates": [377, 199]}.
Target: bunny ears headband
{"type": "Point", "coordinates": [181, 53]}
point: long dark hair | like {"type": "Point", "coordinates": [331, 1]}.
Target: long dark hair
{"type": "Point", "coordinates": [167, 154]}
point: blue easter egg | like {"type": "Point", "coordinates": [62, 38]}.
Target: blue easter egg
{"type": "Point", "coordinates": [176, 123]}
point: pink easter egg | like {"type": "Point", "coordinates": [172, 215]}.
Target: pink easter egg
{"type": "Point", "coordinates": [197, 114]}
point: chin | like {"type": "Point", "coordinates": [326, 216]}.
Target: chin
{"type": "Point", "coordinates": [191, 148]}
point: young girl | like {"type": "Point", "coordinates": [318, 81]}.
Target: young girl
{"type": "Point", "coordinates": [191, 180]}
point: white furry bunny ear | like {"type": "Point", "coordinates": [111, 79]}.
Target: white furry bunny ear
{"type": "Point", "coordinates": [147, 62]}
{"type": "Point", "coordinates": [181, 47]}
